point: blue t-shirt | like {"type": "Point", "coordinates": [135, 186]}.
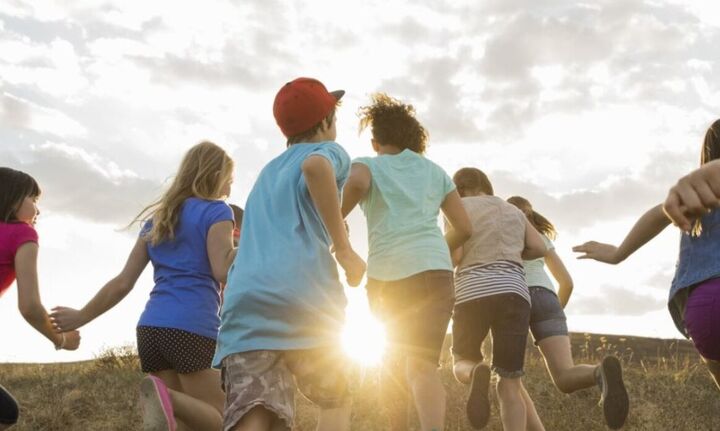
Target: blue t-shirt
{"type": "Point", "coordinates": [186, 296]}
{"type": "Point", "coordinates": [402, 208]}
{"type": "Point", "coordinates": [283, 291]}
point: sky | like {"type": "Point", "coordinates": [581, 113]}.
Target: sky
{"type": "Point", "coordinates": [591, 110]}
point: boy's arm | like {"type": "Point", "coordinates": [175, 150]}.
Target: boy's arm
{"type": "Point", "coordinates": [113, 292]}
{"type": "Point", "coordinates": [29, 302]}
{"type": "Point", "coordinates": [534, 245]}
{"type": "Point", "coordinates": [693, 195]}
{"type": "Point", "coordinates": [320, 180]}
{"type": "Point", "coordinates": [356, 187]}
{"type": "Point", "coordinates": [460, 228]}
{"type": "Point", "coordinates": [646, 228]}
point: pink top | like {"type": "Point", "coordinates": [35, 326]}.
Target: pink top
{"type": "Point", "coordinates": [12, 236]}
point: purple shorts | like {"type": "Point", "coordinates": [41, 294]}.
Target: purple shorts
{"type": "Point", "coordinates": [702, 318]}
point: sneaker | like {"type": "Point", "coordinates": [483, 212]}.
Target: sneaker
{"type": "Point", "coordinates": [157, 410]}
{"type": "Point", "coordinates": [614, 397]}
{"type": "Point", "coordinates": [478, 403]}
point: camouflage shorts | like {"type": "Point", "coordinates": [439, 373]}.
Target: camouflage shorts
{"type": "Point", "coordinates": [268, 378]}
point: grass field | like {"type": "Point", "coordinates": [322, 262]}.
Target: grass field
{"type": "Point", "coordinates": [668, 386]}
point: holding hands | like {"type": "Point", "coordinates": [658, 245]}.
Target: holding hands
{"type": "Point", "coordinates": [66, 319]}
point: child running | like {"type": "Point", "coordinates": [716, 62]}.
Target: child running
{"type": "Point", "coordinates": [284, 304]}
{"type": "Point", "coordinates": [549, 327]}
{"type": "Point", "coordinates": [694, 300]}
{"type": "Point", "coordinates": [409, 267]}
{"type": "Point", "coordinates": [188, 239]}
{"type": "Point", "coordinates": [19, 195]}
{"type": "Point", "coordinates": [491, 295]}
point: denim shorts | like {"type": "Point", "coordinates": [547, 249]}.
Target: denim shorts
{"type": "Point", "coordinates": [416, 311]}
{"type": "Point", "coordinates": [507, 316]}
{"type": "Point", "coordinates": [547, 317]}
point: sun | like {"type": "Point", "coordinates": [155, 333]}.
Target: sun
{"type": "Point", "coordinates": [363, 338]}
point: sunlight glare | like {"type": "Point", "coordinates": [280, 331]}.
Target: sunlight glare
{"type": "Point", "coordinates": [363, 339]}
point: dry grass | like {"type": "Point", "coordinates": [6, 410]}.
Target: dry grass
{"type": "Point", "coordinates": [668, 386]}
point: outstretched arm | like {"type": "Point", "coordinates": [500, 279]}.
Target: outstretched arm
{"type": "Point", "coordinates": [646, 228]}
{"type": "Point", "coordinates": [320, 179]}
{"type": "Point", "coordinates": [693, 195]}
{"type": "Point", "coordinates": [356, 187]}
{"type": "Point", "coordinates": [113, 292]}
{"type": "Point", "coordinates": [29, 302]}
{"type": "Point", "coordinates": [561, 275]}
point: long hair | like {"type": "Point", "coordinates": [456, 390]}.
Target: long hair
{"type": "Point", "coordinates": [393, 123]}
{"type": "Point", "coordinates": [540, 223]}
{"type": "Point", "coordinates": [204, 171]}
{"type": "Point", "coordinates": [15, 186]}
{"type": "Point", "coordinates": [710, 151]}
{"type": "Point", "coordinates": [472, 180]}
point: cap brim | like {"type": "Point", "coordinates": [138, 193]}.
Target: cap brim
{"type": "Point", "coordinates": [338, 94]}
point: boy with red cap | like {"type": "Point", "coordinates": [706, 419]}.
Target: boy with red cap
{"type": "Point", "coordinates": [284, 303]}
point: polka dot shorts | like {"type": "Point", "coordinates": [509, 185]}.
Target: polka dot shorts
{"type": "Point", "coordinates": [173, 349]}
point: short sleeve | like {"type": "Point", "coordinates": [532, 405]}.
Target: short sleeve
{"type": "Point", "coordinates": [338, 158]}
{"type": "Point", "coordinates": [448, 184]}
{"type": "Point", "coordinates": [216, 212]}
{"type": "Point", "coordinates": [24, 233]}
{"type": "Point", "coordinates": [548, 243]}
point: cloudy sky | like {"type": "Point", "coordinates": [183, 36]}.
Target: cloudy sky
{"type": "Point", "coordinates": [589, 109]}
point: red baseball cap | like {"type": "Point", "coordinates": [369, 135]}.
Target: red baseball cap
{"type": "Point", "coordinates": [302, 103]}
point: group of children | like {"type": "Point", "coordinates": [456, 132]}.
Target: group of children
{"type": "Point", "coordinates": [267, 310]}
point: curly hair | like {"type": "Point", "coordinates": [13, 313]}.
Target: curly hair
{"type": "Point", "coordinates": [393, 123]}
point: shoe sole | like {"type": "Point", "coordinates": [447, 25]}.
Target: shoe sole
{"type": "Point", "coordinates": [153, 414]}
{"type": "Point", "coordinates": [615, 403]}
{"type": "Point", "coordinates": [478, 403]}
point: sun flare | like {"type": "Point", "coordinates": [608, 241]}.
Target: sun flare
{"type": "Point", "coordinates": [363, 339]}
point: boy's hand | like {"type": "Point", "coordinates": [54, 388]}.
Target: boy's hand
{"type": "Point", "coordinates": [66, 319]}
{"type": "Point", "coordinates": [72, 340]}
{"type": "Point", "coordinates": [598, 251]}
{"type": "Point", "coordinates": [353, 265]}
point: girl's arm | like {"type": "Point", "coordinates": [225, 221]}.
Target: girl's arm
{"type": "Point", "coordinates": [693, 195]}
{"type": "Point", "coordinates": [113, 292]}
{"type": "Point", "coordinates": [534, 245]}
{"type": "Point", "coordinates": [220, 249]}
{"type": "Point", "coordinates": [460, 228]}
{"type": "Point", "coordinates": [356, 187]}
{"type": "Point", "coordinates": [561, 275]}
{"type": "Point", "coordinates": [646, 228]}
{"type": "Point", "coordinates": [29, 302]}
{"type": "Point", "coordinates": [320, 179]}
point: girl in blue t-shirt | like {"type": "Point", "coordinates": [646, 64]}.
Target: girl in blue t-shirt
{"type": "Point", "coordinates": [694, 300]}
{"type": "Point", "coordinates": [188, 238]}
{"type": "Point", "coordinates": [19, 194]}
{"type": "Point", "coordinates": [410, 280]}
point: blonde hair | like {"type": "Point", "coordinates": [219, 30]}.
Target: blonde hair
{"type": "Point", "coordinates": [204, 171]}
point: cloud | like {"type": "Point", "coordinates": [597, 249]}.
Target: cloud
{"type": "Point", "coordinates": [614, 300]}
{"type": "Point", "coordinates": [18, 113]}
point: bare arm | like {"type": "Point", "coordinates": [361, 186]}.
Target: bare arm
{"type": "Point", "coordinates": [693, 195]}
{"type": "Point", "coordinates": [534, 245]}
{"type": "Point", "coordinates": [460, 228]}
{"type": "Point", "coordinates": [29, 302]}
{"type": "Point", "coordinates": [320, 179]}
{"type": "Point", "coordinates": [561, 275]}
{"type": "Point", "coordinates": [220, 249]}
{"type": "Point", "coordinates": [356, 187]}
{"type": "Point", "coordinates": [646, 228]}
{"type": "Point", "coordinates": [113, 292]}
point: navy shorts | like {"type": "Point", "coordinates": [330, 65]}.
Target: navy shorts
{"type": "Point", "coordinates": [547, 317]}
{"type": "Point", "coordinates": [8, 408]}
{"type": "Point", "coordinates": [173, 349]}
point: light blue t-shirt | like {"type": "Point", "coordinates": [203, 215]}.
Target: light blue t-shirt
{"type": "Point", "coordinates": [186, 296]}
{"type": "Point", "coordinates": [535, 274]}
{"type": "Point", "coordinates": [402, 208]}
{"type": "Point", "coordinates": [283, 290]}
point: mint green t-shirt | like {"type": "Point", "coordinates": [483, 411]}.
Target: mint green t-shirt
{"type": "Point", "coordinates": [535, 270]}
{"type": "Point", "coordinates": [402, 208]}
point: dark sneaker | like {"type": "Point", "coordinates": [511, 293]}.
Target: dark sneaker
{"type": "Point", "coordinates": [614, 398]}
{"type": "Point", "coordinates": [478, 403]}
